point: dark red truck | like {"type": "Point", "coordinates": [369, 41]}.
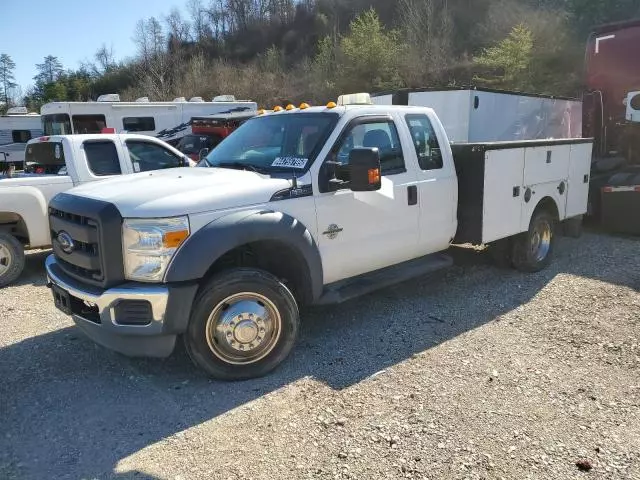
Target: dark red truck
{"type": "Point", "coordinates": [612, 117]}
{"type": "Point", "coordinates": [208, 131]}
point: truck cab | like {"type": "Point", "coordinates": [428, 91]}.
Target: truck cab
{"type": "Point", "coordinates": [301, 206]}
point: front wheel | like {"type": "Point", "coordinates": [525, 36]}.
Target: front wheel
{"type": "Point", "coordinates": [11, 259]}
{"type": "Point", "coordinates": [243, 325]}
{"type": "Point", "coordinates": [532, 251]}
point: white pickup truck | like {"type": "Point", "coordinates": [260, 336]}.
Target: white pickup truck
{"type": "Point", "coordinates": [312, 205]}
{"type": "Point", "coordinates": [60, 163]}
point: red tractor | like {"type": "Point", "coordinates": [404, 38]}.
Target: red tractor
{"type": "Point", "coordinates": [612, 118]}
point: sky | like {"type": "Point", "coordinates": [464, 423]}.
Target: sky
{"type": "Point", "coordinates": [71, 30]}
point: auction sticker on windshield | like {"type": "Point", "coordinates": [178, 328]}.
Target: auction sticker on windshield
{"type": "Point", "coordinates": [291, 162]}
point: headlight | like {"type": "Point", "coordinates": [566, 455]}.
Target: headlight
{"type": "Point", "coordinates": [149, 244]}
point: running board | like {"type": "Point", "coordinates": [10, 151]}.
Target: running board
{"type": "Point", "coordinates": [370, 282]}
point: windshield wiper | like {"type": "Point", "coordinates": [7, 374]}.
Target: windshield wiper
{"type": "Point", "coordinates": [240, 166]}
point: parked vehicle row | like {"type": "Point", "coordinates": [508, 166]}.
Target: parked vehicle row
{"type": "Point", "coordinates": [169, 121]}
{"type": "Point", "coordinates": [303, 206]}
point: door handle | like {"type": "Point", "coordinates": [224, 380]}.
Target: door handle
{"type": "Point", "coordinates": [412, 195]}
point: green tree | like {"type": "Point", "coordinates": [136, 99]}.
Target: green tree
{"type": "Point", "coordinates": [370, 55]}
{"type": "Point", "coordinates": [48, 71]}
{"type": "Point", "coordinates": [54, 92]}
{"type": "Point", "coordinates": [323, 69]}
{"type": "Point", "coordinates": [508, 63]}
{"type": "Point", "coordinates": [7, 78]}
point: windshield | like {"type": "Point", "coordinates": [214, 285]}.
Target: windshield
{"type": "Point", "coordinates": [281, 142]}
{"type": "Point", "coordinates": [58, 124]}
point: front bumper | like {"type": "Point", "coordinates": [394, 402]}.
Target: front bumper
{"type": "Point", "coordinates": [99, 313]}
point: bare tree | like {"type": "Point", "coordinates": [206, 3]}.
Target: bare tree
{"type": "Point", "coordinates": [199, 16]}
{"type": "Point", "coordinates": [16, 95]}
{"type": "Point", "coordinates": [429, 30]}
{"type": "Point", "coordinates": [177, 27]}
{"type": "Point", "coordinates": [105, 59]}
{"type": "Point", "coordinates": [155, 67]}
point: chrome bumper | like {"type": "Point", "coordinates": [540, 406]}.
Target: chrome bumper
{"type": "Point", "coordinates": [133, 340]}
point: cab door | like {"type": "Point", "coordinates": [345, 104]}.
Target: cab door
{"type": "Point", "coordinates": [436, 180]}
{"type": "Point", "coordinates": [360, 232]}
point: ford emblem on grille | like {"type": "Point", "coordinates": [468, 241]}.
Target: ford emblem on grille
{"type": "Point", "coordinates": [66, 242]}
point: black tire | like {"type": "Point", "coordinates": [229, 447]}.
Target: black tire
{"type": "Point", "coordinates": [11, 259]}
{"type": "Point", "coordinates": [209, 351]}
{"type": "Point", "coordinates": [523, 256]}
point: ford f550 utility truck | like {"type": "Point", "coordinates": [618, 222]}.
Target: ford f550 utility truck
{"type": "Point", "coordinates": [309, 205]}
{"type": "Point", "coordinates": [59, 163]}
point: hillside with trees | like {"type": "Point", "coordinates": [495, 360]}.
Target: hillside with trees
{"type": "Point", "coordinates": [275, 51]}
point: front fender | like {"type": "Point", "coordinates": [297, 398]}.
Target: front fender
{"type": "Point", "coordinates": [204, 247]}
{"type": "Point", "coordinates": [31, 205]}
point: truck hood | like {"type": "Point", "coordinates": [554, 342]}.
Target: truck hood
{"type": "Point", "coordinates": [182, 191]}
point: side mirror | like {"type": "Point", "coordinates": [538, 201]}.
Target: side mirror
{"type": "Point", "coordinates": [203, 153]}
{"type": "Point", "coordinates": [364, 168]}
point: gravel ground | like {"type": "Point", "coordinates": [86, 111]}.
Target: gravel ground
{"type": "Point", "coordinates": [473, 373]}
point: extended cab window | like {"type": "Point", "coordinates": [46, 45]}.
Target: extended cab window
{"type": "Point", "coordinates": [102, 158]}
{"type": "Point", "coordinates": [147, 156]}
{"type": "Point", "coordinates": [382, 135]}
{"type": "Point", "coordinates": [425, 142]}
{"type": "Point", "coordinates": [139, 124]}
{"type": "Point", "coordinates": [88, 123]}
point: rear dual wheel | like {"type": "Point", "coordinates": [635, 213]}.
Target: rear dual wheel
{"type": "Point", "coordinates": [533, 250]}
{"type": "Point", "coordinates": [243, 325]}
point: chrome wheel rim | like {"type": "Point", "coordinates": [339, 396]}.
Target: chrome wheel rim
{"type": "Point", "coordinates": [541, 240]}
{"type": "Point", "coordinates": [243, 328]}
{"type": "Point", "coordinates": [6, 258]}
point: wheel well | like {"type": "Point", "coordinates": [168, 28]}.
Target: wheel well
{"type": "Point", "coordinates": [548, 204]}
{"type": "Point", "coordinates": [15, 225]}
{"type": "Point", "coordinates": [276, 257]}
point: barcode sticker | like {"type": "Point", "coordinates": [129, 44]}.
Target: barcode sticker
{"type": "Point", "coordinates": [291, 162]}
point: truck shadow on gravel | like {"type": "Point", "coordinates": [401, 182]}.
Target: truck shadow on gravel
{"type": "Point", "coordinates": [71, 409]}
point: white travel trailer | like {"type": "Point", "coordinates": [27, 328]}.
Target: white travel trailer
{"type": "Point", "coordinates": [141, 117]}
{"type": "Point", "coordinates": [19, 126]}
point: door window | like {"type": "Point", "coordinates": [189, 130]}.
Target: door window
{"type": "Point", "coordinates": [147, 156]}
{"type": "Point", "coordinates": [382, 135]}
{"type": "Point", "coordinates": [102, 158]}
{"type": "Point", "coordinates": [425, 142]}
